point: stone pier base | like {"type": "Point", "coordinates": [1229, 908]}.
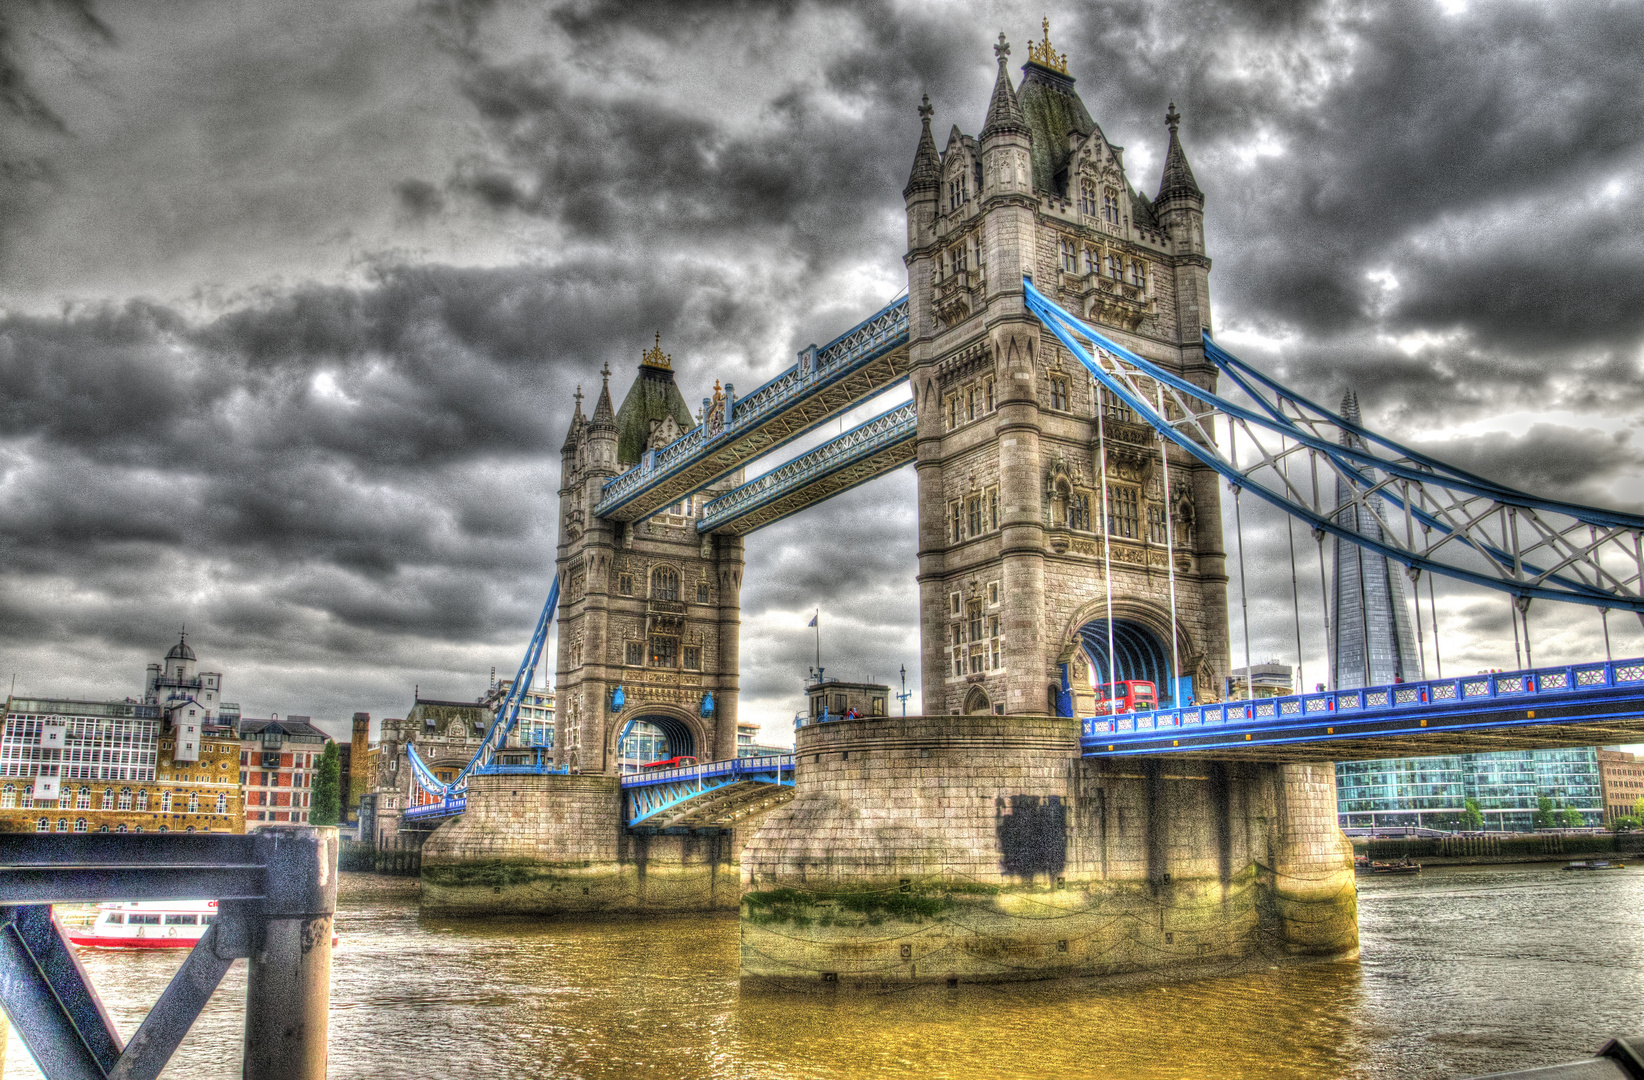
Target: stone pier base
{"type": "Point", "coordinates": [554, 845]}
{"type": "Point", "coordinates": [982, 849]}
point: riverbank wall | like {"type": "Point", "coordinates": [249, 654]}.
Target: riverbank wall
{"type": "Point", "coordinates": [974, 849]}
{"type": "Point", "coordinates": [555, 845]}
{"type": "Point", "coordinates": [1506, 848]}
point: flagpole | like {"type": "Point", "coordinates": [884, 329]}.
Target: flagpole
{"type": "Point", "coordinates": [816, 621]}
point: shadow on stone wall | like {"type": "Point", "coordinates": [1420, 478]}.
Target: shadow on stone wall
{"type": "Point", "coordinates": [1032, 835]}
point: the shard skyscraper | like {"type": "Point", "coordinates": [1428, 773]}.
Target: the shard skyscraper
{"type": "Point", "coordinates": [1373, 642]}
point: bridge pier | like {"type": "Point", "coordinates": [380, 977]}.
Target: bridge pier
{"type": "Point", "coordinates": [555, 845]}
{"type": "Point", "coordinates": [983, 849]}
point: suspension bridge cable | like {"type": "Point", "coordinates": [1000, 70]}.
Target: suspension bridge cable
{"type": "Point", "coordinates": [1523, 605]}
{"type": "Point", "coordinates": [1324, 589]}
{"type": "Point", "coordinates": [1295, 589]}
{"type": "Point", "coordinates": [1604, 614]}
{"type": "Point", "coordinates": [1238, 531]}
{"type": "Point", "coordinates": [1518, 655]}
{"type": "Point", "coordinates": [1415, 588]}
{"type": "Point", "coordinates": [1170, 559]}
{"type": "Point", "coordinates": [1432, 604]}
{"type": "Point", "coordinates": [1107, 529]}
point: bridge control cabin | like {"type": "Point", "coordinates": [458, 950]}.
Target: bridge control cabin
{"type": "Point", "coordinates": [834, 699]}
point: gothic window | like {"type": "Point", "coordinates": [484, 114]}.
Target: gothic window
{"type": "Point", "coordinates": [956, 258]}
{"type": "Point", "coordinates": [1138, 274]}
{"type": "Point", "coordinates": [42, 825]}
{"type": "Point", "coordinates": [953, 599]}
{"type": "Point", "coordinates": [633, 653]}
{"type": "Point", "coordinates": [165, 802]}
{"type": "Point", "coordinates": [1078, 512]}
{"type": "Point", "coordinates": [970, 403]}
{"type": "Point", "coordinates": [973, 611]}
{"type": "Point", "coordinates": [1087, 197]}
{"type": "Point", "coordinates": [625, 584]}
{"type": "Point", "coordinates": [142, 800]}
{"type": "Point", "coordinates": [82, 799]}
{"type": "Point", "coordinates": [222, 804]}
{"type": "Point", "coordinates": [1115, 269]}
{"type": "Point", "coordinates": [1091, 257]}
{"type": "Point", "coordinates": [108, 800]}
{"type": "Point", "coordinates": [1110, 206]}
{"type": "Point", "coordinates": [993, 514]}
{"type": "Point", "coordinates": [664, 652]}
{"type": "Point", "coordinates": [80, 825]}
{"type": "Point", "coordinates": [8, 797]}
{"type": "Point", "coordinates": [1122, 512]}
{"type": "Point", "coordinates": [693, 657]}
{"type": "Point", "coordinates": [990, 395]}
{"type": "Point", "coordinates": [665, 583]}
{"type": "Point", "coordinates": [62, 824]}
{"type": "Point", "coordinates": [953, 411]}
{"type": "Point", "coordinates": [1115, 409]}
{"type": "Point", "coordinates": [702, 592]}
{"type": "Point", "coordinates": [194, 802]}
{"type": "Point", "coordinates": [1070, 257]}
{"type": "Point", "coordinates": [993, 593]}
{"type": "Point", "coordinates": [956, 521]}
{"type": "Point", "coordinates": [958, 190]}
{"type": "Point", "coordinates": [1156, 524]}
{"type": "Point", "coordinates": [1058, 392]}
{"type": "Point", "coordinates": [125, 798]}
{"type": "Point", "coordinates": [973, 511]}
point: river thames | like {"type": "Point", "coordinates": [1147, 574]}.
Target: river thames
{"type": "Point", "coordinates": [1465, 971]}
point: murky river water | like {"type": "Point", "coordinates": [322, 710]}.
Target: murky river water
{"type": "Point", "coordinates": [1465, 971]}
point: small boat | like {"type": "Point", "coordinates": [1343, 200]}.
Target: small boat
{"type": "Point", "coordinates": [1403, 866]}
{"type": "Point", "coordinates": [147, 924]}
{"type": "Point", "coordinates": [1595, 864]}
{"type": "Point", "coordinates": [1361, 862]}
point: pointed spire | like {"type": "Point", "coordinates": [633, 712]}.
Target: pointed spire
{"type": "Point", "coordinates": [927, 165]}
{"type": "Point", "coordinates": [1005, 115]}
{"type": "Point", "coordinates": [1350, 413]}
{"type": "Point", "coordinates": [604, 415]}
{"type": "Point", "coordinates": [578, 422]}
{"type": "Point", "coordinates": [1178, 177]}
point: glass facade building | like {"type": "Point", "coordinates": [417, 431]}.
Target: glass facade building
{"type": "Point", "coordinates": [1432, 792]}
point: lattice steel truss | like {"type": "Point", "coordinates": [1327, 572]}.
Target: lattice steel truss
{"type": "Point", "coordinates": [863, 453]}
{"type": "Point", "coordinates": [1432, 516]}
{"type": "Point", "coordinates": [865, 361]}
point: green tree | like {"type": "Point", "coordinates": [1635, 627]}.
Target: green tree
{"type": "Point", "coordinates": [1625, 823]}
{"type": "Point", "coordinates": [1473, 815]}
{"type": "Point", "coordinates": [1638, 808]}
{"type": "Point", "coordinates": [1544, 813]}
{"type": "Point", "coordinates": [1573, 818]}
{"type": "Point", "coordinates": [325, 804]}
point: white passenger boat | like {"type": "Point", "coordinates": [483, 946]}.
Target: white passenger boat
{"type": "Point", "coordinates": [147, 924]}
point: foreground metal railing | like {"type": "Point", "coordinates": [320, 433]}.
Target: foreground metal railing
{"type": "Point", "coordinates": [276, 893]}
{"type": "Point", "coordinates": [1618, 1059]}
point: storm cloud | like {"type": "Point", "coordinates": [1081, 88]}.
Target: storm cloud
{"type": "Point", "coordinates": [294, 296]}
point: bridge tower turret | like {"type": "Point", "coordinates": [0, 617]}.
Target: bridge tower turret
{"type": "Point", "coordinates": [649, 611]}
{"type": "Point", "coordinates": [1013, 544]}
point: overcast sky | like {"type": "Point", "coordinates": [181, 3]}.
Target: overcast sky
{"type": "Point", "coordinates": [293, 295]}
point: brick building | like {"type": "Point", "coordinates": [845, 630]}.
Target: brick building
{"type": "Point", "coordinates": [278, 759]}
{"type": "Point", "coordinates": [1621, 780]}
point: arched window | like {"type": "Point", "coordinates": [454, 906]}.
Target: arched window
{"type": "Point", "coordinates": [193, 802]}
{"type": "Point", "coordinates": [1110, 206]}
{"type": "Point", "coordinates": [82, 799]}
{"type": "Point", "coordinates": [125, 798]}
{"type": "Point", "coordinates": [222, 804]}
{"type": "Point", "coordinates": [1115, 269]}
{"type": "Point", "coordinates": [62, 824]}
{"type": "Point", "coordinates": [1138, 275]}
{"type": "Point", "coordinates": [108, 799]}
{"type": "Point", "coordinates": [165, 828]}
{"type": "Point", "coordinates": [165, 802]}
{"type": "Point", "coordinates": [142, 800]}
{"type": "Point", "coordinates": [665, 584]}
{"type": "Point", "coordinates": [1087, 197]}
{"type": "Point", "coordinates": [191, 828]}
{"type": "Point", "coordinates": [42, 825]}
{"type": "Point", "coordinates": [79, 824]}
{"type": "Point", "coordinates": [8, 797]}
{"type": "Point", "coordinates": [122, 827]}
{"type": "Point", "coordinates": [102, 828]}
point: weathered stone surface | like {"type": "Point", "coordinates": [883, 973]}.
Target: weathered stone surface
{"type": "Point", "coordinates": [983, 849]}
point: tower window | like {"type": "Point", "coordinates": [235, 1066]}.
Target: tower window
{"type": "Point", "coordinates": [973, 510]}
{"type": "Point", "coordinates": [702, 592]}
{"type": "Point", "coordinates": [956, 521]}
{"type": "Point", "coordinates": [953, 411]}
{"type": "Point", "coordinates": [633, 653]}
{"type": "Point", "coordinates": [665, 584]}
{"type": "Point", "coordinates": [693, 657]}
{"type": "Point", "coordinates": [974, 611]}
{"type": "Point", "coordinates": [664, 652]}
{"type": "Point", "coordinates": [1110, 206]}
{"type": "Point", "coordinates": [993, 519]}
{"type": "Point", "coordinates": [1138, 274]}
{"type": "Point", "coordinates": [1090, 260]}
{"type": "Point", "coordinates": [625, 584]}
{"type": "Point", "coordinates": [1058, 393]}
{"type": "Point", "coordinates": [970, 403]}
{"type": "Point", "coordinates": [1078, 512]}
{"type": "Point", "coordinates": [1087, 197]}
{"type": "Point", "coordinates": [990, 394]}
{"type": "Point", "coordinates": [1115, 268]}
{"type": "Point", "coordinates": [1070, 256]}
{"type": "Point", "coordinates": [1122, 512]}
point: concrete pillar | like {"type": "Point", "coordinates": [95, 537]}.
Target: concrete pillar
{"type": "Point", "coordinates": [728, 565]}
{"type": "Point", "coordinates": [288, 984]}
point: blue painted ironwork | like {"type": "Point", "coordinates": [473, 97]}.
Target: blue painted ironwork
{"type": "Point", "coordinates": [1433, 517]}
{"type": "Point", "coordinates": [713, 794]}
{"type": "Point", "coordinates": [1611, 693]}
{"type": "Point", "coordinates": [496, 737]}
{"type": "Point", "coordinates": [863, 453]}
{"type": "Point", "coordinates": [448, 806]}
{"type": "Point", "coordinates": [840, 375]}
{"type": "Point", "coordinates": [273, 876]}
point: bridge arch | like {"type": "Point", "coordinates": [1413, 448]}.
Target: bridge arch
{"type": "Point", "coordinates": [1141, 647]}
{"type": "Point", "coordinates": [649, 731]}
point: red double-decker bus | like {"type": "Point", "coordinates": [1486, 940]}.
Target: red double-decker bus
{"type": "Point", "coordinates": [670, 763]}
{"type": "Point", "coordinates": [1131, 695]}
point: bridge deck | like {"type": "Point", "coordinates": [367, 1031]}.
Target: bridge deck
{"type": "Point", "coordinates": [859, 364]}
{"type": "Point", "coordinates": [1542, 709]}
{"type": "Point", "coordinates": [719, 793]}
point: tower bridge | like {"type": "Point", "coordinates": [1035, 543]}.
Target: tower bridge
{"type": "Point", "coordinates": [1070, 436]}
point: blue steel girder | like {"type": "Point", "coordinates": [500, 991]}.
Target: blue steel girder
{"type": "Point", "coordinates": [719, 793]}
{"type": "Point", "coordinates": [1429, 516]}
{"type": "Point", "coordinates": [1542, 709]}
{"type": "Point", "coordinates": [858, 365]}
{"type": "Point", "coordinates": [863, 453]}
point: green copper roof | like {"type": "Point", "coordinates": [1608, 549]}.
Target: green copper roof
{"type": "Point", "coordinates": [1053, 112]}
{"type": "Point", "coordinates": [652, 397]}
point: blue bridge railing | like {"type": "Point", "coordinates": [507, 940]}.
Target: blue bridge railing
{"type": "Point", "coordinates": [1433, 696]}
{"type": "Point", "coordinates": [669, 796]}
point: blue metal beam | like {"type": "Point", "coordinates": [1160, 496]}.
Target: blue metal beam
{"type": "Point", "coordinates": [865, 452]}
{"type": "Point", "coordinates": [860, 364]}
{"type": "Point", "coordinates": [46, 993]}
{"type": "Point", "coordinates": [720, 789]}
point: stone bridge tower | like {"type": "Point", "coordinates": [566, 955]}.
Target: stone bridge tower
{"type": "Point", "coordinates": [649, 608]}
{"type": "Point", "coordinates": [1013, 564]}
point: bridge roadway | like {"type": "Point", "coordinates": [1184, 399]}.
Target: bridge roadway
{"type": "Point", "coordinates": [1597, 704]}
{"type": "Point", "coordinates": [860, 364]}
